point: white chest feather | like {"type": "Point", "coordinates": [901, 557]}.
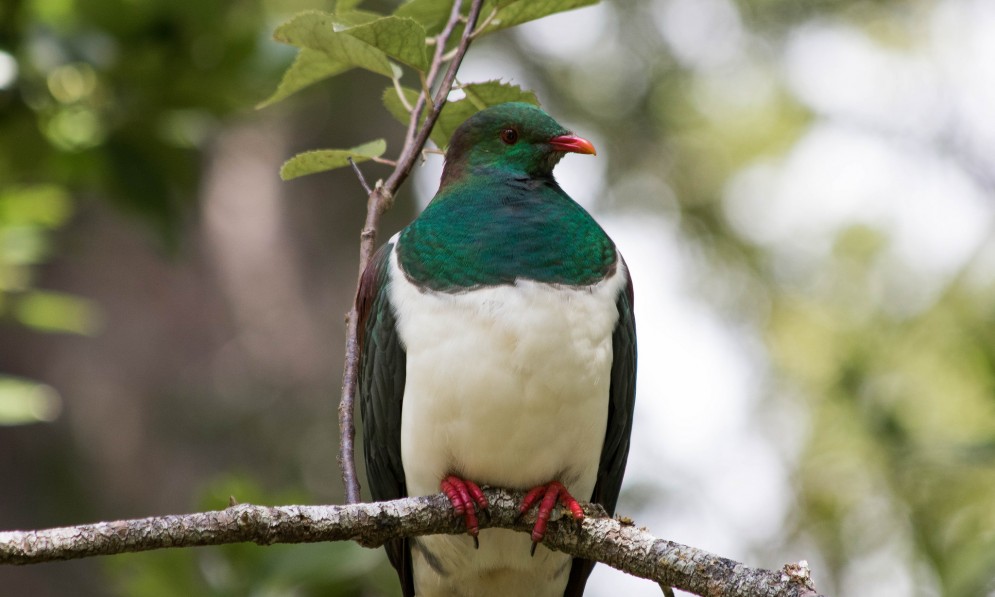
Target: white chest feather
{"type": "Point", "coordinates": [506, 386]}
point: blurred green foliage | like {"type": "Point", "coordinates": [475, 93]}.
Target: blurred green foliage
{"type": "Point", "coordinates": [115, 100]}
{"type": "Point", "coordinates": [110, 100]}
{"type": "Point", "coordinates": [28, 217]}
{"type": "Point", "coordinates": [902, 423]}
{"type": "Point", "coordinates": [23, 401]}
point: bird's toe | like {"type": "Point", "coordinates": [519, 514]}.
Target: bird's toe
{"type": "Point", "coordinates": [466, 497]}
{"type": "Point", "coordinates": [547, 497]}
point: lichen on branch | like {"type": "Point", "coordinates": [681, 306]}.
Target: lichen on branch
{"type": "Point", "coordinates": [613, 541]}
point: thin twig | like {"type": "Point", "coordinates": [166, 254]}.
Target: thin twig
{"type": "Point", "coordinates": [359, 175]}
{"type": "Point", "coordinates": [618, 543]}
{"type": "Point", "coordinates": [442, 92]}
{"type": "Point", "coordinates": [429, 82]}
{"type": "Point", "coordinates": [377, 202]}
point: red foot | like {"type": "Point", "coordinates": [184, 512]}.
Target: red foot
{"type": "Point", "coordinates": [550, 494]}
{"type": "Point", "coordinates": [465, 496]}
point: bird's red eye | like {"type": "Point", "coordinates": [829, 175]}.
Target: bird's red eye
{"type": "Point", "coordinates": [509, 136]}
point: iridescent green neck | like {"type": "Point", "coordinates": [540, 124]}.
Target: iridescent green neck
{"type": "Point", "coordinates": [490, 228]}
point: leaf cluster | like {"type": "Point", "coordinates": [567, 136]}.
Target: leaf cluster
{"type": "Point", "coordinates": [401, 47]}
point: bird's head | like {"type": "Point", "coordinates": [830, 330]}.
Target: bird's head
{"type": "Point", "coordinates": [515, 137]}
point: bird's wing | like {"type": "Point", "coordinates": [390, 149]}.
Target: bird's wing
{"type": "Point", "coordinates": [622, 400]}
{"type": "Point", "coordinates": [381, 388]}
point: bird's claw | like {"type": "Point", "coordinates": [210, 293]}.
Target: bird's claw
{"type": "Point", "coordinates": [547, 496]}
{"type": "Point", "coordinates": [465, 497]}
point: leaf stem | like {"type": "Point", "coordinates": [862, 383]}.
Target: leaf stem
{"type": "Point", "coordinates": [483, 24]}
{"type": "Point", "coordinates": [400, 95]}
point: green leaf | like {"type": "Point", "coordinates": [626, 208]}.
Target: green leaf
{"type": "Point", "coordinates": [23, 401]}
{"type": "Point", "coordinates": [394, 105]}
{"type": "Point", "coordinates": [431, 14]}
{"type": "Point", "coordinates": [440, 134]}
{"type": "Point", "coordinates": [352, 18]}
{"type": "Point", "coordinates": [320, 160]}
{"type": "Point", "coordinates": [344, 5]}
{"type": "Point", "coordinates": [517, 12]}
{"type": "Point", "coordinates": [491, 93]}
{"type": "Point", "coordinates": [401, 38]}
{"type": "Point", "coordinates": [308, 68]}
{"type": "Point", "coordinates": [317, 31]}
{"type": "Point", "coordinates": [478, 97]}
{"type": "Point", "coordinates": [453, 115]}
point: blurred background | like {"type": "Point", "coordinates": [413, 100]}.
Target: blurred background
{"type": "Point", "coordinates": [803, 191]}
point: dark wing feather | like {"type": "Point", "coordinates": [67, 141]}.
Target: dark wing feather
{"type": "Point", "coordinates": [622, 400]}
{"type": "Point", "coordinates": [382, 364]}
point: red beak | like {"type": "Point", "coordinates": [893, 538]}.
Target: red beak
{"type": "Point", "coordinates": [572, 144]}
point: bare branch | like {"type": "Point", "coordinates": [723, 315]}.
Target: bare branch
{"type": "Point", "coordinates": [377, 203]}
{"type": "Point", "coordinates": [619, 544]}
{"type": "Point", "coordinates": [359, 175]}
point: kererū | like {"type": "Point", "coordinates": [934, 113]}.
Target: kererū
{"type": "Point", "coordinates": [497, 347]}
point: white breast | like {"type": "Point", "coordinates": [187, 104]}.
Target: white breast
{"type": "Point", "coordinates": [506, 386]}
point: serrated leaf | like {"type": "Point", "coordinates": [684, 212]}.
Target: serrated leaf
{"type": "Point", "coordinates": [316, 30]}
{"type": "Point", "coordinates": [320, 160]}
{"type": "Point", "coordinates": [478, 97]}
{"type": "Point", "coordinates": [309, 67]}
{"type": "Point", "coordinates": [491, 93]}
{"type": "Point", "coordinates": [401, 38]}
{"type": "Point", "coordinates": [352, 18]}
{"type": "Point", "coordinates": [431, 14]}
{"type": "Point", "coordinates": [517, 12]}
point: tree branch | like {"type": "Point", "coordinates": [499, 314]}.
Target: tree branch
{"type": "Point", "coordinates": [378, 202]}
{"type": "Point", "coordinates": [359, 175]}
{"type": "Point", "coordinates": [617, 543]}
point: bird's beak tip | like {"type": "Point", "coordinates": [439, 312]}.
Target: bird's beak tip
{"type": "Point", "coordinates": [573, 144]}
